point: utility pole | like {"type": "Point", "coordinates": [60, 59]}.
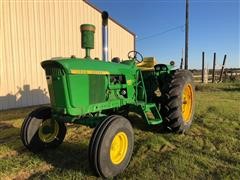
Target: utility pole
{"type": "Point", "coordinates": [186, 34]}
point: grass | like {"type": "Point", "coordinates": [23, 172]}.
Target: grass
{"type": "Point", "coordinates": [209, 150]}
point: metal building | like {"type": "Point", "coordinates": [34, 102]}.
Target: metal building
{"type": "Point", "coordinates": [33, 31]}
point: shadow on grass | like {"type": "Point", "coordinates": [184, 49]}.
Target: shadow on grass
{"type": "Point", "coordinates": [69, 156]}
{"type": "Point", "coordinates": [19, 113]}
{"type": "Point", "coordinates": [231, 89]}
{"type": "Point", "coordinates": [138, 123]}
{"type": "Point", "coordinates": [9, 133]}
{"type": "Point", "coordinates": [5, 126]}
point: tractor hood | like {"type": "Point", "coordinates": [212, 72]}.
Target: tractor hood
{"type": "Point", "coordinates": [89, 66]}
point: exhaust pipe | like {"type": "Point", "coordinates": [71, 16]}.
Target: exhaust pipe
{"type": "Point", "coordinates": [105, 36]}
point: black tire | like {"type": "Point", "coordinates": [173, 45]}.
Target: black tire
{"type": "Point", "coordinates": [101, 142]}
{"type": "Point", "coordinates": [97, 131]}
{"type": "Point", "coordinates": [31, 126]}
{"type": "Point", "coordinates": [172, 102]}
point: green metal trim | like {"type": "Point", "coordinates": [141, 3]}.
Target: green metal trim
{"type": "Point", "coordinates": [85, 120]}
{"type": "Point", "coordinates": [139, 75]}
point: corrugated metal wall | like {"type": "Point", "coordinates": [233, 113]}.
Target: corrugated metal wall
{"type": "Point", "coordinates": [32, 31]}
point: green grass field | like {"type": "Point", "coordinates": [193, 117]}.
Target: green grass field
{"type": "Point", "coordinates": [209, 150]}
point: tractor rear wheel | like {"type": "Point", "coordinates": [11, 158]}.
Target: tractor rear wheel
{"type": "Point", "coordinates": [178, 100]}
{"type": "Point", "coordinates": [111, 146]}
{"type": "Point", "coordinates": [39, 131]}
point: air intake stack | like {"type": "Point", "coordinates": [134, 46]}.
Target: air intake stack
{"type": "Point", "coordinates": [87, 33]}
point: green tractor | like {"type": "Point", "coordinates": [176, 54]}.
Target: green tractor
{"type": "Point", "coordinates": [100, 94]}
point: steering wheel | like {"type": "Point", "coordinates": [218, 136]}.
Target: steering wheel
{"type": "Point", "coordinates": [135, 56]}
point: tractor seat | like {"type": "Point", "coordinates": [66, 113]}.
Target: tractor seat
{"type": "Point", "coordinates": [147, 64]}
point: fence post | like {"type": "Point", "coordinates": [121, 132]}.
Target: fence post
{"type": "Point", "coordinates": [205, 76]}
{"type": "Point", "coordinates": [181, 65]}
{"type": "Point", "coordinates": [202, 67]}
{"type": "Point", "coordinates": [224, 60]}
{"type": "Point", "coordinates": [213, 70]}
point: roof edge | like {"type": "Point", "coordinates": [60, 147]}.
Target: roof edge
{"type": "Point", "coordinates": [99, 10]}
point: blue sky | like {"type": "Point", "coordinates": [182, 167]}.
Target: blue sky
{"type": "Point", "coordinates": [214, 27]}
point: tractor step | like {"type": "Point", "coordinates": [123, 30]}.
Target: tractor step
{"type": "Point", "coordinates": [151, 114]}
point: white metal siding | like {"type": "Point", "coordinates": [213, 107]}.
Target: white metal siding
{"type": "Point", "coordinates": [33, 31]}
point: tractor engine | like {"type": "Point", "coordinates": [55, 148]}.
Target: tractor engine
{"type": "Point", "coordinates": [78, 86]}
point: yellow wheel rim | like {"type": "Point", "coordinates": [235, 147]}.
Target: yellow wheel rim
{"type": "Point", "coordinates": [119, 148]}
{"type": "Point", "coordinates": [48, 130]}
{"type": "Point", "coordinates": [187, 102]}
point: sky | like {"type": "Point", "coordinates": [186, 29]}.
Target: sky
{"type": "Point", "coordinates": [159, 26]}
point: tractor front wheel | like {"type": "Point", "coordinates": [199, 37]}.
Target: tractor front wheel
{"type": "Point", "coordinates": [111, 146]}
{"type": "Point", "coordinates": [39, 131]}
{"type": "Point", "coordinates": [177, 101]}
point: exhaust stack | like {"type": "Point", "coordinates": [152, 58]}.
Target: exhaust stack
{"type": "Point", "coordinates": [105, 36]}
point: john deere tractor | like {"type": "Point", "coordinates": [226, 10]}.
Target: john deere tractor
{"type": "Point", "coordinates": [100, 94]}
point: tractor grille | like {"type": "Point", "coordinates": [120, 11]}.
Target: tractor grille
{"type": "Point", "coordinates": [54, 71]}
{"type": "Point", "coordinates": [96, 88]}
